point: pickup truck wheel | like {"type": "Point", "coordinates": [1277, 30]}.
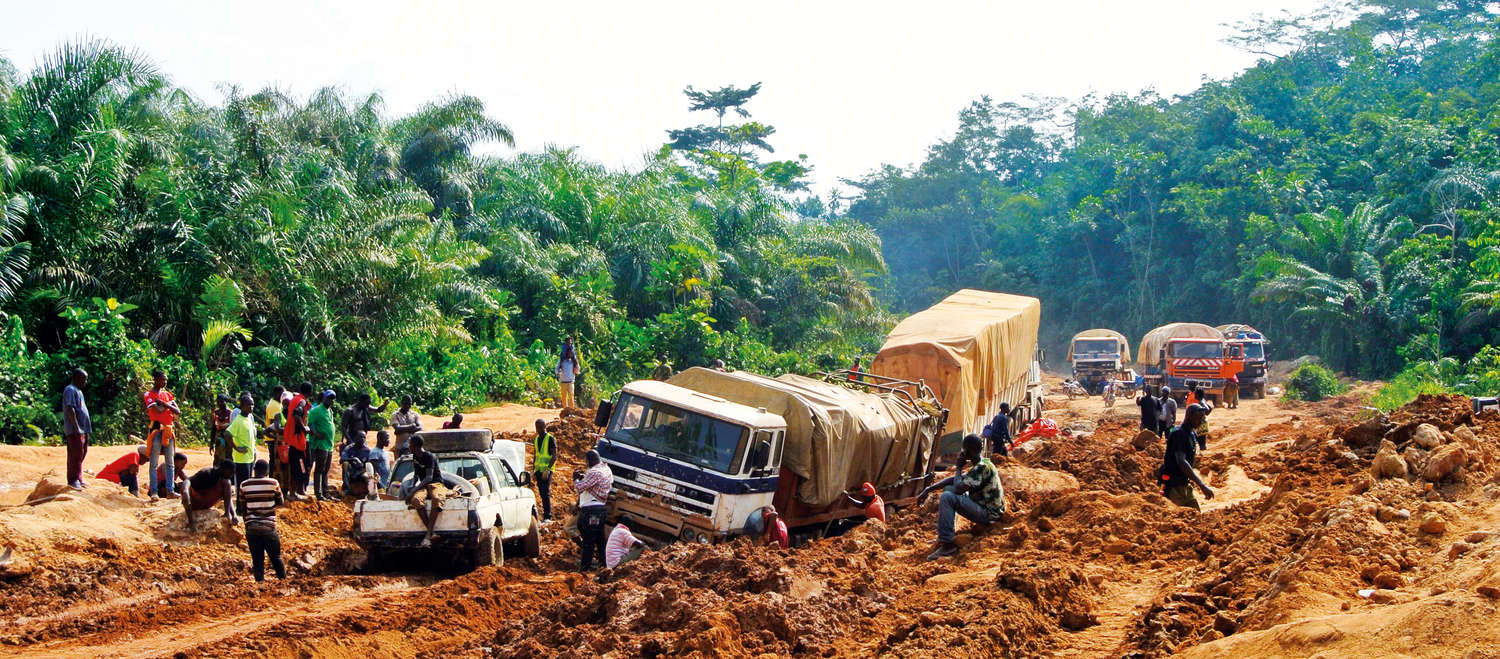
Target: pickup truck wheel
{"type": "Point", "coordinates": [532, 545]}
{"type": "Point", "coordinates": [488, 549]}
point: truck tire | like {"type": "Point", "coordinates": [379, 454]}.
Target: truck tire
{"type": "Point", "coordinates": [488, 550]}
{"type": "Point", "coordinates": [531, 547]}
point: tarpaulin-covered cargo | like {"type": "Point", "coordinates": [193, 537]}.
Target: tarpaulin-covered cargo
{"type": "Point", "coordinates": [1101, 333]}
{"type": "Point", "coordinates": [974, 349]}
{"type": "Point", "coordinates": [1152, 343]}
{"type": "Point", "coordinates": [836, 437]}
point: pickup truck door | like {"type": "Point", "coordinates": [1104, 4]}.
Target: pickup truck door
{"type": "Point", "coordinates": [516, 507]}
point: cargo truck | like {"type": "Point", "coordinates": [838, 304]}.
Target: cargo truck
{"type": "Point", "coordinates": [1185, 356]}
{"type": "Point", "coordinates": [1098, 356]}
{"type": "Point", "coordinates": [697, 457]}
{"type": "Point", "coordinates": [1253, 346]}
{"type": "Point", "coordinates": [975, 350]}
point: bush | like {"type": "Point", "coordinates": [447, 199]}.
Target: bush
{"type": "Point", "coordinates": [25, 412]}
{"type": "Point", "coordinates": [1312, 382]}
{"type": "Point", "coordinates": [1405, 387]}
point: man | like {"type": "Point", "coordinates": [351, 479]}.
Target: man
{"type": "Point", "coordinates": [380, 456]}
{"type": "Point", "coordinates": [1167, 417]}
{"type": "Point", "coordinates": [976, 494]}
{"type": "Point", "coordinates": [218, 429]}
{"type": "Point", "coordinates": [593, 489]}
{"type": "Point", "coordinates": [179, 474]}
{"type": "Point", "coordinates": [1177, 474]}
{"type": "Point", "coordinates": [1204, 408]}
{"type": "Point", "coordinates": [162, 409]}
{"type": "Point", "coordinates": [275, 445]}
{"type": "Point", "coordinates": [209, 486]}
{"type": "Point", "coordinates": [242, 439]}
{"type": "Point", "coordinates": [543, 458]}
{"type": "Point", "coordinates": [567, 372]}
{"type": "Point", "coordinates": [1150, 412]}
{"type": "Point", "coordinates": [77, 426]}
{"type": "Point", "coordinates": [295, 436]}
{"type": "Point", "coordinates": [1232, 392]}
{"type": "Point", "coordinates": [426, 497]}
{"type": "Point", "coordinates": [259, 497]}
{"type": "Point", "coordinates": [405, 423]}
{"type": "Point", "coordinates": [663, 371]}
{"type": "Point", "coordinates": [719, 365]}
{"type": "Point", "coordinates": [320, 443]}
{"type": "Point", "coordinates": [998, 432]}
{"type": "Point", "coordinates": [126, 470]}
{"type": "Point", "coordinates": [354, 458]}
{"type": "Point", "coordinates": [356, 421]}
{"type": "Point", "coordinates": [455, 423]}
{"type": "Point", "coordinates": [622, 546]}
{"type": "Point", "coordinates": [871, 502]}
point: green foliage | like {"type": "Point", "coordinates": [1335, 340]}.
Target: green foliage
{"type": "Point", "coordinates": [1312, 382]}
{"type": "Point", "coordinates": [24, 412]}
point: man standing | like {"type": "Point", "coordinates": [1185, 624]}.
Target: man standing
{"type": "Point", "coordinates": [295, 436]}
{"type": "Point", "coordinates": [1232, 391]}
{"type": "Point", "coordinates": [1150, 412]}
{"type": "Point", "coordinates": [218, 429]}
{"type": "Point", "coordinates": [567, 372]}
{"type": "Point", "coordinates": [320, 443]}
{"type": "Point", "coordinates": [543, 457]}
{"type": "Point", "coordinates": [427, 496]}
{"type": "Point", "coordinates": [593, 496]}
{"type": "Point", "coordinates": [242, 439]}
{"type": "Point", "coordinates": [999, 431]}
{"type": "Point", "coordinates": [1177, 474]}
{"type": "Point", "coordinates": [259, 497]}
{"type": "Point", "coordinates": [1167, 417]}
{"type": "Point", "coordinates": [206, 488]}
{"type": "Point", "coordinates": [77, 426]}
{"type": "Point", "coordinates": [976, 494]}
{"type": "Point", "coordinates": [356, 421]}
{"type": "Point", "coordinates": [162, 408]}
{"type": "Point", "coordinates": [405, 423]}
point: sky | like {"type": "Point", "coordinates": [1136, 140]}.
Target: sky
{"type": "Point", "coordinates": [852, 85]}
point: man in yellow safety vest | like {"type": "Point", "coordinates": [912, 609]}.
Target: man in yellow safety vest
{"type": "Point", "coordinates": [543, 456]}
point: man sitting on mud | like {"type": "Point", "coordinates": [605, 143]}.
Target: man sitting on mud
{"type": "Point", "coordinates": [209, 486]}
{"type": "Point", "coordinates": [1177, 474]}
{"type": "Point", "coordinates": [427, 496]}
{"type": "Point", "coordinates": [976, 494]}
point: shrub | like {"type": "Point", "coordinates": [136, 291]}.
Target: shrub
{"type": "Point", "coordinates": [1312, 382]}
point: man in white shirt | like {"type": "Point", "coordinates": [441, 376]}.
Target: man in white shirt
{"type": "Point", "coordinates": [622, 546]}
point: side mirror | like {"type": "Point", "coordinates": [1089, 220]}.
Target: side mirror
{"type": "Point", "coordinates": [525, 479]}
{"type": "Point", "coordinates": [601, 417]}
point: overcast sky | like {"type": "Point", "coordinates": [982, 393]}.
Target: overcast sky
{"type": "Point", "coordinates": [850, 84]}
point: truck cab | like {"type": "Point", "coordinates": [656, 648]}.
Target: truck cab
{"type": "Point", "coordinates": [690, 465]}
{"type": "Point", "coordinates": [1095, 362]}
{"type": "Point", "coordinates": [1190, 363]}
{"type": "Point", "coordinates": [1252, 345]}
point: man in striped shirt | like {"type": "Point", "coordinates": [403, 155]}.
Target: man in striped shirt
{"type": "Point", "coordinates": [259, 498]}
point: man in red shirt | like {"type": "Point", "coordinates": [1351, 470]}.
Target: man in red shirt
{"type": "Point", "coordinates": [873, 504]}
{"type": "Point", "coordinates": [294, 433]}
{"type": "Point", "coordinates": [776, 532]}
{"type": "Point", "coordinates": [162, 408]}
{"type": "Point", "coordinates": [126, 469]}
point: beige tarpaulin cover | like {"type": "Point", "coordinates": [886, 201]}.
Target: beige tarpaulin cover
{"type": "Point", "coordinates": [836, 438]}
{"type": "Point", "coordinates": [1152, 343]}
{"type": "Point", "coordinates": [1101, 333]}
{"type": "Point", "coordinates": [969, 348]}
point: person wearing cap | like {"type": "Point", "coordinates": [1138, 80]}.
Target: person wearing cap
{"type": "Point", "coordinates": [1166, 415]}
{"type": "Point", "coordinates": [320, 441]}
{"type": "Point", "coordinates": [622, 546]}
{"type": "Point", "coordinates": [77, 426]}
{"type": "Point", "coordinates": [869, 500]}
{"type": "Point", "coordinates": [126, 469]}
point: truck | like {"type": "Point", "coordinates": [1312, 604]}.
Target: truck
{"type": "Point", "coordinates": [492, 504]}
{"type": "Point", "coordinates": [1253, 346]}
{"type": "Point", "coordinates": [1098, 356]}
{"type": "Point", "coordinates": [698, 457]}
{"type": "Point", "coordinates": [1185, 356]}
{"type": "Point", "coordinates": [975, 349]}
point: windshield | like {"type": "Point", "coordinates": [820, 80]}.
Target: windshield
{"type": "Point", "coordinates": [1196, 350]}
{"type": "Point", "coordinates": [1096, 345]}
{"type": "Point", "coordinates": [466, 467]}
{"type": "Point", "coordinates": [1255, 351]}
{"type": "Point", "coordinates": [660, 428]}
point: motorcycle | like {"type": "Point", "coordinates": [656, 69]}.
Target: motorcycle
{"type": "Point", "coordinates": [1109, 394]}
{"type": "Point", "coordinates": [1074, 390]}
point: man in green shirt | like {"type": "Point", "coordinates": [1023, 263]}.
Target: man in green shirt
{"type": "Point", "coordinates": [320, 443]}
{"type": "Point", "coordinates": [976, 494]}
{"type": "Point", "coordinates": [543, 457]}
{"type": "Point", "coordinates": [242, 439]}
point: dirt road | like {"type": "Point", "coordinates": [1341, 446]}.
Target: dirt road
{"type": "Point", "coordinates": [1300, 553]}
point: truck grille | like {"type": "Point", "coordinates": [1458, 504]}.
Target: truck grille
{"type": "Point", "coordinates": [674, 502]}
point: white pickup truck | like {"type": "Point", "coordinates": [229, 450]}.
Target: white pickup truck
{"type": "Point", "coordinates": [492, 505]}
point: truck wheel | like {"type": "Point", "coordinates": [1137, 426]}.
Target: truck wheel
{"type": "Point", "coordinates": [376, 560]}
{"type": "Point", "coordinates": [532, 545]}
{"type": "Point", "coordinates": [488, 550]}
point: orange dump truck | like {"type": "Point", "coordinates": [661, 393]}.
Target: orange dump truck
{"type": "Point", "coordinates": [975, 350]}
